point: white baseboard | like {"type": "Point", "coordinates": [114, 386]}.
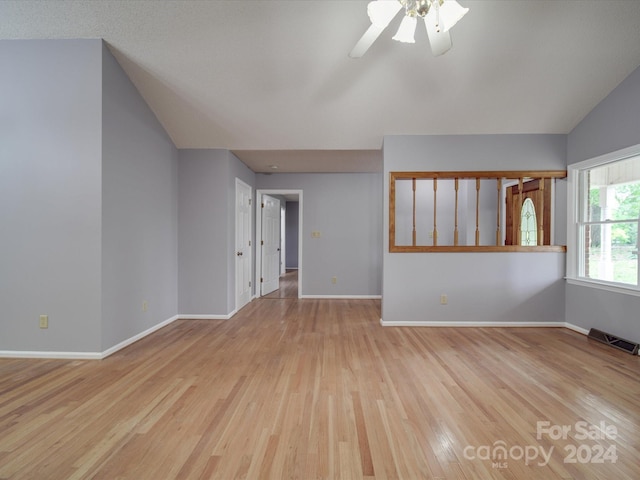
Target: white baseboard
{"type": "Point", "coordinates": [188, 316]}
{"type": "Point", "coordinates": [344, 297]}
{"type": "Point", "coordinates": [51, 355]}
{"type": "Point", "coordinates": [86, 355]}
{"type": "Point", "coordinates": [135, 338]}
{"type": "Point", "coordinates": [576, 328]}
{"type": "Point", "coordinates": [483, 324]}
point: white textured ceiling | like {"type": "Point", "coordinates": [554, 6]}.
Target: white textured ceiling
{"type": "Point", "coordinates": [271, 80]}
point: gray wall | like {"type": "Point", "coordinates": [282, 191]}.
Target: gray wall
{"type": "Point", "coordinates": [206, 225]}
{"type": "Point", "coordinates": [346, 210]}
{"type": "Point", "coordinates": [291, 234]}
{"type": "Point", "coordinates": [613, 125]}
{"type": "Point", "coordinates": [88, 190]}
{"type": "Point", "coordinates": [139, 212]}
{"type": "Point", "coordinates": [202, 237]}
{"type": "Point", "coordinates": [50, 194]}
{"type": "Point", "coordinates": [100, 212]}
{"type": "Point", "coordinates": [484, 287]}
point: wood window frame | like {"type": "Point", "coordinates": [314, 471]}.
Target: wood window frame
{"type": "Point", "coordinates": [500, 175]}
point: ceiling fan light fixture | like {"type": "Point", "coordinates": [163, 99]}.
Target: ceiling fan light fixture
{"type": "Point", "coordinates": [405, 33]}
{"type": "Point", "coordinates": [439, 17]}
{"type": "Point", "coordinates": [381, 12]}
{"type": "Point", "coordinates": [451, 12]}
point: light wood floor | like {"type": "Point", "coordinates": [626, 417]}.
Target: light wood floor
{"type": "Point", "coordinates": [318, 389]}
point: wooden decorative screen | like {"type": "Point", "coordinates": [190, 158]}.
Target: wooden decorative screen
{"type": "Point", "coordinates": [471, 211]}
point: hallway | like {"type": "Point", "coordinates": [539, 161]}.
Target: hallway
{"type": "Point", "coordinates": [288, 286]}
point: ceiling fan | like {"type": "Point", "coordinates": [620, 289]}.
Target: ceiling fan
{"type": "Point", "coordinates": [438, 15]}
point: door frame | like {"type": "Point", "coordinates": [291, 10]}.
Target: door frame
{"type": "Point", "coordinates": [258, 232]}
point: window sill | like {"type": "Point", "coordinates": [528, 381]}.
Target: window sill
{"type": "Point", "coordinates": [616, 288]}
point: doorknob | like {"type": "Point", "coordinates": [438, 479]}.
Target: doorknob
{"type": "Point", "coordinates": [239, 254]}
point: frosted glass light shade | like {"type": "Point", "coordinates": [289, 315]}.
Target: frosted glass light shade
{"type": "Point", "coordinates": [381, 12]}
{"type": "Point", "coordinates": [407, 30]}
{"type": "Point", "coordinates": [450, 13]}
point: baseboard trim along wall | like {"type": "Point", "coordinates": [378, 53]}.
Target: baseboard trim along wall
{"type": "Point", "coordinates": [186, 316]}
{"type": "Point", "coordinates": [135, 338]}
{"type": "Point", "coordinates": [344, 297]}
{"type": "Point", "coordinates": [576, 328]}
{"type": "Point", "coordinates": [86, 355]}
{"type": "Point", "coordinates": [570, 326]}
{"type": "Point", "coordinates": [139, 336]}
{"type": "Point", "coordinates": [51, 355]}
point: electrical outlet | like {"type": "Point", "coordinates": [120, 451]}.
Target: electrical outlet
{"type": "Point", "coordinates": [334, 280]}
{"type": "Point", "coordinates": [145, 306]}
{"type": "Point", "coordinates": [44, 321]}
{"type": "Point", "coordinates": [443, 299]}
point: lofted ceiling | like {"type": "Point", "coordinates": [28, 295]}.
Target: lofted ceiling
{"type": "Point", "coordinates": [271, 80]}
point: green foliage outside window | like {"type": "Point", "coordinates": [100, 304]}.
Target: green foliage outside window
{"type": "Point", "coordinates": [627, 197]}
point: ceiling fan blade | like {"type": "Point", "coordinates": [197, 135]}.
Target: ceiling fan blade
{"type": "Point", "coordinates": [370, 36]}
{"type": "Point", "coordinates": [381, 12]}
{"type": "Point", "coordinates": [439, 40]}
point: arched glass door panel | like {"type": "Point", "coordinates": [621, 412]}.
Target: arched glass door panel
{"type": "Point", "coordinates": [528, 224]}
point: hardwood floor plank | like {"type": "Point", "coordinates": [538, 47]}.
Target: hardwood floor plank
{"type": "Point", "coordinates": [366, 464]}
{"type": "Point", "coordinates": [267, 462]}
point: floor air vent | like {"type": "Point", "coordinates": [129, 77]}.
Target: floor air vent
{"type": "Point", "coordinates": [617, 342]}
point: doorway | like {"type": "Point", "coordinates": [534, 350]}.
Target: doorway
{"type": "Point", "coordinates": [288, 286]}
{"type": "Point", "coordinates": [290, 283]}
{"type": "Point", "coordinates": [528, 213]}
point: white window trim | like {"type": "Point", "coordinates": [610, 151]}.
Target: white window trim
{"type": "Point", "coordinates": [573, 247]}
{"type": "Point", "coordinates": [600, 285]}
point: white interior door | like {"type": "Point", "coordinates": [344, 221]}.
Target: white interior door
{"type": "Point", "coordinates": [270, 279]}
{"type": "Point", "coordinates": [243, 244]}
